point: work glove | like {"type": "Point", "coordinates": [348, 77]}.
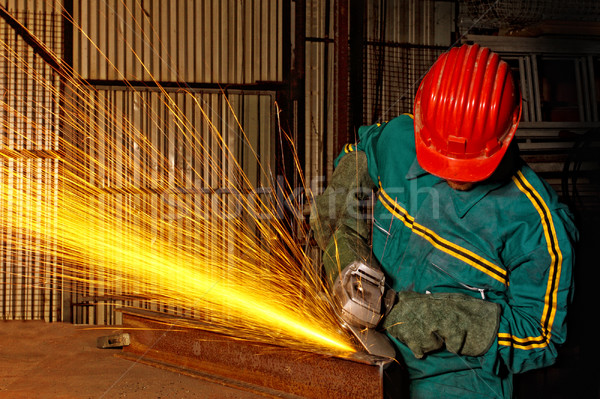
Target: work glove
{"type": "Point", "coordinates": [342, 201]}
{"type": "Point", "coordinates": [425, 322]}
{"type": "Point", "coordinates": [344, 247]}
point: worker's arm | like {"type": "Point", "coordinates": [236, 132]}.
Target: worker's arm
{"type": "Point", "coordinates": [337, 219]}
{"type": "Point", "coordinates": [533, 321]}
{"type": "Point", "coordinates": [539, 255]}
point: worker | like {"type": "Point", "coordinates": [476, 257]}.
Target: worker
{"type": "Point", "coordinates": [476, 245]}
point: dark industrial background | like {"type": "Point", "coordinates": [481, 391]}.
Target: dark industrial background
{"type": "Point", "coordinates": [316, 70]}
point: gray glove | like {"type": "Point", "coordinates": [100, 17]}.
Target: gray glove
{"type": "Point", "coordinates": [425, 322]}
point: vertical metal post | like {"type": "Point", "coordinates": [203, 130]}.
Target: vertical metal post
{"type": "Point", "coordinates": [66, 308]}
{"type": "Point", "coordinates": [341, 98]}
{"type": "Point", "coordinates": [298, 78]}
{"type": "Point", "coordinates": [357, 13]}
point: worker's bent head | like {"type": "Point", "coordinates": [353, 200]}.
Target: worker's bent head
{"type": "Point", "coordinates": [467, 109]}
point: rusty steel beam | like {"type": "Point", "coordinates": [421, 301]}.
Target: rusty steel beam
{"type": "Point", "coordinates": [269, 370]}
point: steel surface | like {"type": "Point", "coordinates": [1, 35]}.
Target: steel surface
{"type": "Point", "coordinates": [267, 369]}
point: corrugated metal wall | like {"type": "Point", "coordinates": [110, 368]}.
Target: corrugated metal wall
{"type": "Point", "coordinates": [190, 42]}
{"type": "Point", "coordinates": [42, 8]}
{"type": "Point", "coordinates": [214, 41]}
{"type": "Point", "coordinates": [28, 125]}
{"type": "Point", "coordinates": [193, 43]}
{"type": "Point", "coordinates": [151, 113]}
{"type": "Point", "coordinates": [319, 88]}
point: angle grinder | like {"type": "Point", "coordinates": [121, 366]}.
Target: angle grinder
{"type": "Point", "coordinates": [362, 300]}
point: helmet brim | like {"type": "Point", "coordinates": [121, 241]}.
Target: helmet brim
{"type": "Point", "coordinates": [455, 169]}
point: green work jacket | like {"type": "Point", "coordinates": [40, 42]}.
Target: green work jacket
{"type": "Point", "coordinates": [509, 243]}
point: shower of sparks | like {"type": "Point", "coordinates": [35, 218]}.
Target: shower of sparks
{"type": "Point", "coordinates": [97, 219]}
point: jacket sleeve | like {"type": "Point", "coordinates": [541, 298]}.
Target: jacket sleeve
{"type": "Point", "coordinates": [533, 321]}
{"type": "Point", "coordinates": [368, 137]}
{"type": "Point", "coordinates": [340, 203]}
{"type": "Point", "coordinates": [351, 182]}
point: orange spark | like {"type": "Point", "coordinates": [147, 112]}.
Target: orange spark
{"type": "Point", "coordinates": [104, 222]}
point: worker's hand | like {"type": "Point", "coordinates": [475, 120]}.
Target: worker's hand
{"type": "Point", "coordinates": [345, 247]}
{"type": "Point", "coordinates": [425, 322]}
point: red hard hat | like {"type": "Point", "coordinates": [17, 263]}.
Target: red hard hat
{"type": "Point", "coordinates": [467, 109]}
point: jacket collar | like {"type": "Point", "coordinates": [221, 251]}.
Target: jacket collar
{"type": "Point", "coordinates": [463, 200]}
